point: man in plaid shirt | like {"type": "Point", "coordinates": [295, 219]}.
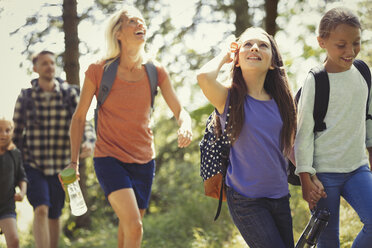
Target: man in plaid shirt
{"type": "Point", "coordinates": [42, 117]}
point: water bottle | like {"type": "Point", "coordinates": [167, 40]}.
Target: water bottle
{"type": "Point", "coordinates": [314, 228]}
{"type": "Point", "coordinates": [74, 195]}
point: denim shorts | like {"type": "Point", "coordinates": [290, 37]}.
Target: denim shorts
{"type": "Point", "coordinates": [45, 190]}
{"type": "Point", "coordinates": [114, 175]}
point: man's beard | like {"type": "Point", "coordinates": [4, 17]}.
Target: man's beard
{"type": "Point", "coordinates": [48, 78]}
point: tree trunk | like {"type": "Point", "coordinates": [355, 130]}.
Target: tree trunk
{"type": "Point", "coordinates": [242, 19]}
{"type": "Point", "coordinates": [271, 9]}
{"type": "Point", "coordinates": [70, 28]}
{"type": "Point", "coordinates": [72, 67]}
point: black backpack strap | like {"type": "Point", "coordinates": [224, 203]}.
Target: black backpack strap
{"type": "Point", "coordinates": [220, 199]}
{"type": "Point", "coordinates": [297, 97]}
{"type": "Point", "coordinates": [225, 154]}
{"type": "Point", "coordinates": [27, 102]}
{"type": "Point", "coordinates": [152, 74]}
{"type": "Point", "coordinates": [69, 95]}
{"type": "Point", "coordinates": [60, 80]}
{"type": "Point", "coordinates": [366, 73]}
{"type": "Point", "coordinates": [321, 97]}
{"type": "Point", "coordinates": [108, 78]}
{"type": "Point", "coordinates": [107, 81]}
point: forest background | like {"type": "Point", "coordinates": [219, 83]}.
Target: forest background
{"type": "Point", "coordinates": [182, 35]}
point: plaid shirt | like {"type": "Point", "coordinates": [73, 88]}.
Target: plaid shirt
{"type": "Point", "coordinates": [42, 121]}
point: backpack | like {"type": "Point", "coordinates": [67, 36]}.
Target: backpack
{"type": "Point", "coordinates": [108, 78]}
{"type": "Point", "coordinates": [13, 155]}
{"type": "Point", "coordinates": [68, 98]}
{"type": "Point", "coordinates": [214, 160]}
{"type": "Point", "coordinates": [321, 103]}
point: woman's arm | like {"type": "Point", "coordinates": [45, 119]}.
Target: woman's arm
{"type": "Point", "coordinates": [78, 120]}
{"type": "Point", "coordinates": [181, 115]}
{"type": "Point", "coordinates": [207, 80]}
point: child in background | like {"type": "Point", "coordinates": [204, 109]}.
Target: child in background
{"type": "Point", "coordinates": [337, 155]}
{"type": "Point", "coordinates": [12, 174]}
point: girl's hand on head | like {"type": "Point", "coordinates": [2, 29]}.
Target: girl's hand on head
{"type": "Point", "coordinates": [184, 137]}
{"type": "Point", "coordinates": [226, 49]}
{"type": "Point", "coordinates": [229, 53]}
{"type": "Point", "coordinates": [228, 58]}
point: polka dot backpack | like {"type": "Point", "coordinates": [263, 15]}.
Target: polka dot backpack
{"type": "Point", "coordinates": [214, 159]}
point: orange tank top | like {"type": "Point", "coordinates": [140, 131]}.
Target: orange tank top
{"type": "Point", "coordinates": [124, 118]}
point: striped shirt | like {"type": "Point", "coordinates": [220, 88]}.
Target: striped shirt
{"type": "Point", "coordinates": [42, 121]}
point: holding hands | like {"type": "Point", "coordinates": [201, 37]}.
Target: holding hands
{"type": "Point", "coordinates": [312, 190]}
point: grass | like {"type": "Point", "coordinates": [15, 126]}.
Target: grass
{"type": "Point", "coordinates": [183, 220]}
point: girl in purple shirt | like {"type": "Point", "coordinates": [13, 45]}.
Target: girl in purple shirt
{"type": "Point", "coordinates": [263, 118]}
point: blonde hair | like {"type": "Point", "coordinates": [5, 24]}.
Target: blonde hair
{"type": "Point", "coordinates": [11, 145]}
{"type": "Point", "coordinates": [113, 26]}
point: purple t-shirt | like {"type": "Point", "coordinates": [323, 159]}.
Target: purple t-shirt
{"type": "Point", "coordinates": [258, 167]}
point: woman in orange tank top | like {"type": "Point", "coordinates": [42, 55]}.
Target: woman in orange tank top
{"type": "Point", "coordinates": [124, 157]}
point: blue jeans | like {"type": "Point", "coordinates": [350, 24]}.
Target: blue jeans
{"type": "Point", "coordinates": [263, 222]}
{"type": "Point", "coordinates": [356, 188]}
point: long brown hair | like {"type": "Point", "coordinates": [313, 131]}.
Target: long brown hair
{"type": "Point", "coordinates": [276, 85]}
